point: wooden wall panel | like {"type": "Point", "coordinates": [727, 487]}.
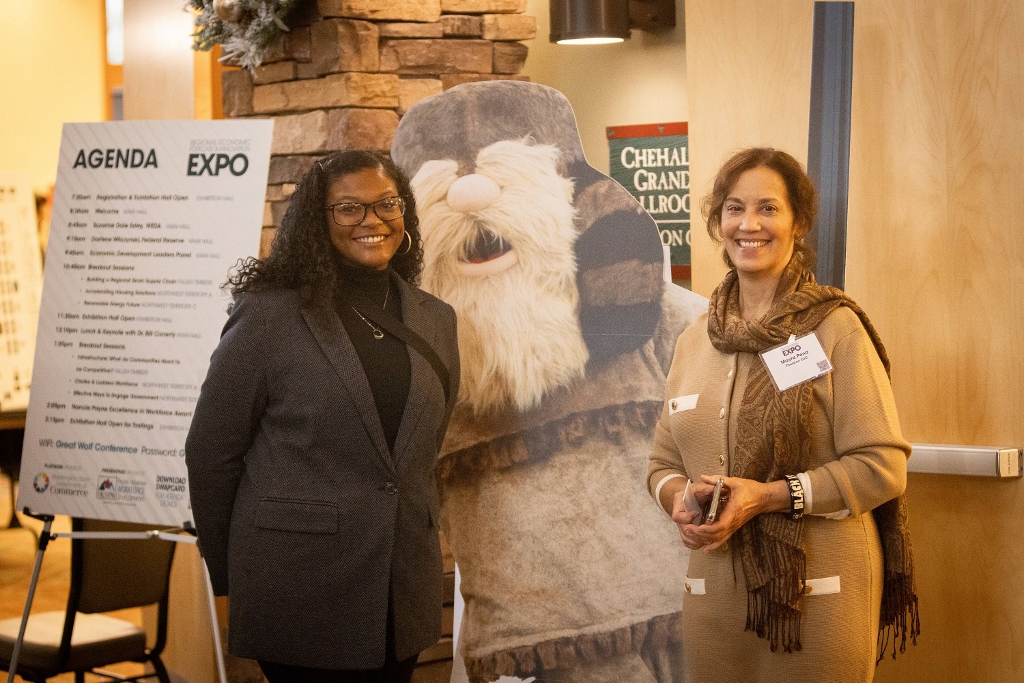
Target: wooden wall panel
{"type": "Point", "coordinates": [936, 177]}
{"type": "Point", "coordinates": [748, 69]}
{"type": "Point", "coordinates": [935, 256]}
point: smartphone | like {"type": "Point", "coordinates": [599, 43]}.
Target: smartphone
{"type": "Point", "coordinates": [711, 513]}
{"type": "Point", "coordinates": [691, 505]}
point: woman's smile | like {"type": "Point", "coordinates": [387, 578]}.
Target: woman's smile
{"type": "Point", "coordinates": [372, 239]}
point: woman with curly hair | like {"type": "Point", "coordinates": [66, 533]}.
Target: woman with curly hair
{"type": "Point", "coordinates": [312, 449]}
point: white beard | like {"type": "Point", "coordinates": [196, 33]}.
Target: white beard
{"type": "Point", "coordinates": [519, 331]}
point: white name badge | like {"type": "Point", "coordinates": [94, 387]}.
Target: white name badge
{"type": "Point", "coordinates": [797, 361]}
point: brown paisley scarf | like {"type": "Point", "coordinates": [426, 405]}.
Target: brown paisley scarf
{"type": "Point", "coordinates": [774, 439]}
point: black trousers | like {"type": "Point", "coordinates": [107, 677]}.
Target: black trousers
{"type": "Point", "coordinates": [393, 671]}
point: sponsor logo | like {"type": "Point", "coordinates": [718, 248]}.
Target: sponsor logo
{"type": "Point", "coordinates": [106, 487]}
{"type": "Point", "coordinates": [63, 482]}
{"type": "Point", "coordinates": [120, 489]}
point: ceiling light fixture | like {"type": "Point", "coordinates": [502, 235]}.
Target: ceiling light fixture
{"type": "Point", "coordinates": [598, 22]}
{"type": "Point", "coordinates": [589, 22]}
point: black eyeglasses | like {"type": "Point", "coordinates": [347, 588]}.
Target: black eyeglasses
{"type": "Point", "coordinates": [353, 213]}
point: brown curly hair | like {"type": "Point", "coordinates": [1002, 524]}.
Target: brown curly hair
{"type": "Point", "coordinates": [302, 255]}
{"type": "Point", "coordinates": [803, 198]}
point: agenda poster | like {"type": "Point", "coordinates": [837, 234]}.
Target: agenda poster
{"type": "Point", "coordinates": [652, 161]}
{"type": "Point", "coordinates": [148, 218]}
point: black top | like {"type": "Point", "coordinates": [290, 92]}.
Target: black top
{"type": "Point", "coordinates": [385, 361]}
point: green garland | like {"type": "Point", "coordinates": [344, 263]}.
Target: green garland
{"type": "Point", "coordinates": [243, 42]}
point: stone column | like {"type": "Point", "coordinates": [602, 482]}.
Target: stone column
{"type": "Point", "coordinates": [344, 81]}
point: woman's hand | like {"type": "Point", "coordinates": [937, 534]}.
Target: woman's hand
{"type": "Point", "coordinates": [746, 498]}
{"type": "Point", "coordinates": [684, 518]}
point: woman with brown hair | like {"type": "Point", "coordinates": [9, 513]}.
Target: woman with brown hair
{"type": "Point", "coordinates": [810, 550]}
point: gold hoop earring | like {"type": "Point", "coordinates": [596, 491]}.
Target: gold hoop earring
{"type": "Point", "coordinates": [407, 249]}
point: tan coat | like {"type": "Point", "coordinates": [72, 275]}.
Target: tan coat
{"type": "Point", "coordinates": [859, 462]}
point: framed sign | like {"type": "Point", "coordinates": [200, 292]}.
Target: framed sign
{"type": "Point", "coordinates": [652, 161]}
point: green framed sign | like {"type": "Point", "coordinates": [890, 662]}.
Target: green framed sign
{"type": "Point", "coordinates": [652, 161]}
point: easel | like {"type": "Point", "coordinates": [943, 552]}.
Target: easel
{"type": "Point", "coordinates": [184, 534]}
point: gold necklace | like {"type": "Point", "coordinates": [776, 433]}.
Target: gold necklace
{"type": "Point", "coordinates": [378, 333]}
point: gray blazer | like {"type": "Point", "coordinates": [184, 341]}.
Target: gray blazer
{"type": "Point", "coordinates": [305, 518]}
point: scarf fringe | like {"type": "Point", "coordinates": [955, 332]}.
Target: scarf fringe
{"type": "Point", "coordinates": [611, 423]}
{"type": "Point", "coordinates": [777, 580]}
{"type": "Point", "coordinates": [570, 651]}
{"type": "Point", "coordinates": [899, 615]}
{"type": "Point", "coordinates": [772, 620]}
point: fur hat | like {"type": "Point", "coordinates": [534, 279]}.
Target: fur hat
{"type": "Point", "coordinates": [618, 250]}
{"type": "Point", "coordinates": [460, 122]}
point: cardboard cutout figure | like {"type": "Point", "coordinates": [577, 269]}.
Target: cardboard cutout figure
{"type": "Point", "coordinates": [570, 572]}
